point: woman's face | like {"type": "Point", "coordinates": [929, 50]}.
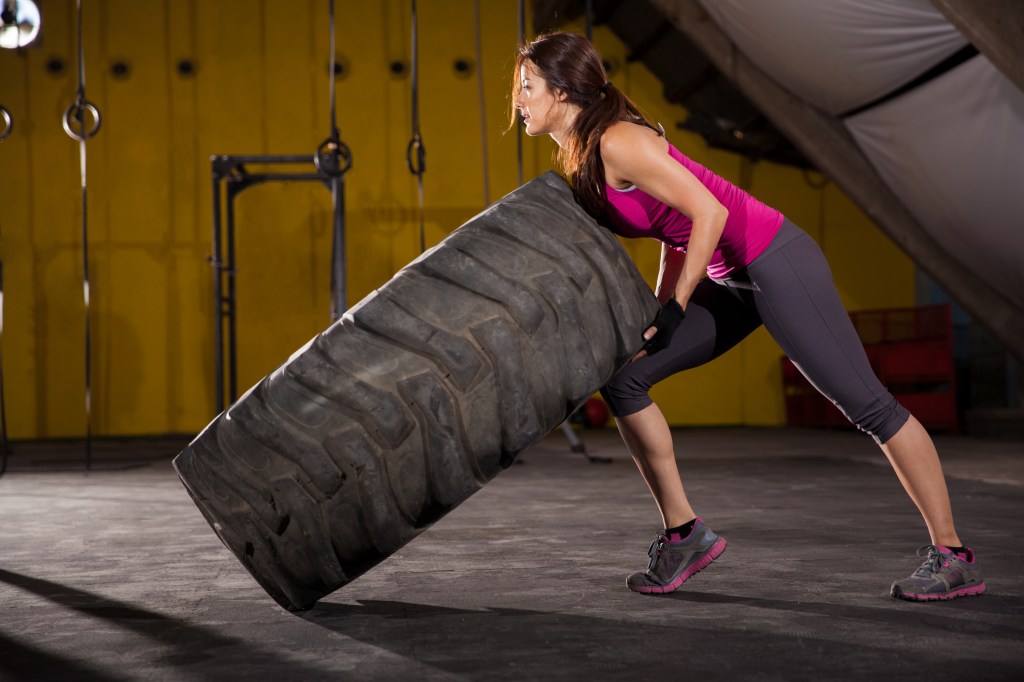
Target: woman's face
{"type": "Point", "coordinates": [537, 103]}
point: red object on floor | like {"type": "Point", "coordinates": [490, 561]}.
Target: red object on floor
{"type": "Point", "coordinates": [596, 413]}
{"type": "Point", "coordinates": [911, 351]}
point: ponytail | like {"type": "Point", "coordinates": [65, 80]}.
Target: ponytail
{"type": "Point", "coordinates": [571, 65]}
{"type": "Point", "coordinates": [581, 159]}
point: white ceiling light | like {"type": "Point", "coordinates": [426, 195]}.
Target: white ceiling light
{"type": "Point", "coordinates": [19, 23]}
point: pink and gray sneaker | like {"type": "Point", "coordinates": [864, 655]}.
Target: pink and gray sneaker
{"type": "Point", "coordinates": [675, 560]}
{"type": "Point", "coordinates": [943, 575]}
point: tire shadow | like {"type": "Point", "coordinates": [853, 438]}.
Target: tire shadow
{"type": "Point", "coordinates": [200, 651]}
{"type": "Point", "coordinates": [513, 643]}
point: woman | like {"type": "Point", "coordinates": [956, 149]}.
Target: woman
{"type": "Point", "coordinates": [760, 268]}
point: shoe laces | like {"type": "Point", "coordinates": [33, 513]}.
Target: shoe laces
{"type": "Point", "coordinates": [655, 551]}
{"type": "Point", "coordinates": [934, 561]}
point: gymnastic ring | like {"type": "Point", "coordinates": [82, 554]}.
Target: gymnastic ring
{"type": "Point", "coordinates": [76, 110]}
{"type": "Point", "coordinates": [420, 165]}
{"type": "Point", "coordinates": [8, 124]}
{"type": "Point", "coordinates": [333, 157]}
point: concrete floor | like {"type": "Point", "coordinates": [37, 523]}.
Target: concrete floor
{"type": "Point", "coordinates": [114, 574]}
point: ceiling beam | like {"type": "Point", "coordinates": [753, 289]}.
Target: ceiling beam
{"type": "Point", "coordinates": [995, 27]}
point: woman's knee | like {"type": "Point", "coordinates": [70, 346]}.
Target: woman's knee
{"type": "Point", "coordinates": [881, 419]}
{"type": "Point", "coordinates": [626, 393]}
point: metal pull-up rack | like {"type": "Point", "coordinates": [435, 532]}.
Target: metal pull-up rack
{"type": "Point", "coordinates": [231, 178]}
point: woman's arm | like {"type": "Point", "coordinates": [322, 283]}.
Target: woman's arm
{"type": "Point", "coordinates": [635, 154]}
{"type": "Point", "coordinates": [668, 275]}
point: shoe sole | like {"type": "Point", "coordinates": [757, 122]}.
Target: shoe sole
{"type": "Point", "coordinates": [691, 570]}
{"type": "Point", "coordinates": [967, 591]}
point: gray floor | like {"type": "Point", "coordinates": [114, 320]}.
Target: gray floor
{"type": "Point", "coordinates": [114, 574]}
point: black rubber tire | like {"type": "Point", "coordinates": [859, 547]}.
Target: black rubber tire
{"type": "Point", "coordinates": [420, 394]}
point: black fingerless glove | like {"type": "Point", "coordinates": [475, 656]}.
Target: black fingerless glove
{"type": "Point", "coordinates": [667, 321]}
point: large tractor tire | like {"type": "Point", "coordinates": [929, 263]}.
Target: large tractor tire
{"type": "Point", "coordinates": [420, 394]}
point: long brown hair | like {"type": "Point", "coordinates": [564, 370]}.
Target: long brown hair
{"type": "Point", "coordinates": [570, 64]}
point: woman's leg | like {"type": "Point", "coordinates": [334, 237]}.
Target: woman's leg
{"type": "Point", "coordinates": [649, 441]}
{"type": "Point", "coordinates": [716, 320]}
{"type": "Point", "coordinates": [912, 454]}
{"type": "Point", "coordinates": [802, 310]}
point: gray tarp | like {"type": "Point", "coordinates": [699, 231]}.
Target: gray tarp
{"type": "Point", "coordinates": [953, 148]}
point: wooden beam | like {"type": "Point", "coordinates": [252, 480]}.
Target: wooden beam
{"type": "Point", "coordinates": [826, 142]}
{"type": "Point", "coordinates": [995, 27]}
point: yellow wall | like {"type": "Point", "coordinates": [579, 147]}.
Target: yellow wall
{"type": "Point", "coordinates": [261, 88]}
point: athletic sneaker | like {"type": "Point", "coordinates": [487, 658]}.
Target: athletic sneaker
{"type": "Point", "coordinates": [943, 575]}
{"type": "Point", "coordinates": [673, 563]}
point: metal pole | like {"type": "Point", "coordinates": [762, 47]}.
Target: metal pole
{"type": "Point", "coordinates": [218, 300]}
{"type": "Point", "coordinates": [338, 289]}
{"type": "Point", "coordinates": [230, 302]}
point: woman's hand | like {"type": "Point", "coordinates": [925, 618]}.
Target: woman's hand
{"type": "Point", "coordinates": [659, 334]}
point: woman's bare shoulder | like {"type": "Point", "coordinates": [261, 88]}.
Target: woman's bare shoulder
{"type": "Point", "coordinates": [626, 133]}
{"type": "Point", "coordinates": [623, 144]}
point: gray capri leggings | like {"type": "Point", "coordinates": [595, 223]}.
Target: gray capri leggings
{"type": "Point", "coordinates": [789, 290]}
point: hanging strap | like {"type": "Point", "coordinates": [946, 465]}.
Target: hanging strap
{"type": "Point", "coordinates": [334, 159]}
{"type": "Point", "coordinates": [3, 407]}
{"type": "Point", "coordinates": [416, 153]}
{"type": "Point", "coordinates": [75, 127]}
{"type": "Point", "coordinates": [333, 156]}
{"type": "Point", "coordinates": [481, 101]}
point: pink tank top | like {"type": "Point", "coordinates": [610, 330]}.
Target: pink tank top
{"type": "Point", "coordinates": [748, 230]}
